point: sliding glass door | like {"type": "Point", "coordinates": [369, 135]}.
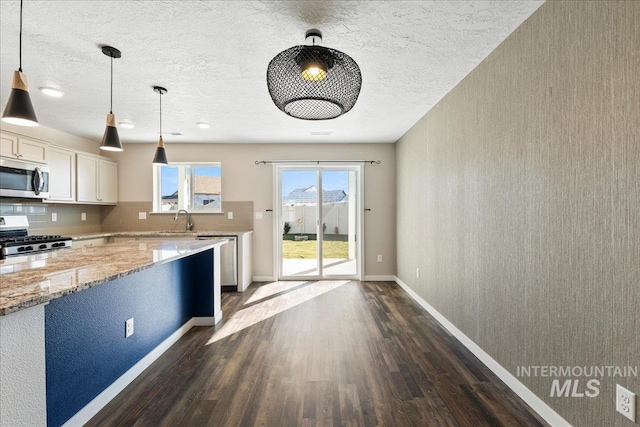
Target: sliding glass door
{"type": "Point", "coordinates": [318, 222]}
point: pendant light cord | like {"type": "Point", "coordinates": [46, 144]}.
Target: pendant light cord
{"type": "Point", "coordinates": [111, 98]}
{"type": "Point", "coordinates": [20, 68]}
{"type": "Point", "coordinates": [160, 113]}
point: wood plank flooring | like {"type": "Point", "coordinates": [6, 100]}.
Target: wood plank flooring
{"type": "Point", "coordinates": [339, 353]}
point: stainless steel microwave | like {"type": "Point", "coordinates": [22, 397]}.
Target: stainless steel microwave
{"type": "Point", "coordinates": [23, 179]}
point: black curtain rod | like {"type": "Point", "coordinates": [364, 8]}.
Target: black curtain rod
{"type": "Point", "coordinates": [265, 162]}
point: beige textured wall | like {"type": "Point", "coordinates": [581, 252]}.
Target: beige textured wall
{"type": "Point", "coordinates": [242, 180]}
{"type": "Point", "coordinates": [518, 197]}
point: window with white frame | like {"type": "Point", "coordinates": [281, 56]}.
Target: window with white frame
{"type": "Point", "coordinates": [195, 187]}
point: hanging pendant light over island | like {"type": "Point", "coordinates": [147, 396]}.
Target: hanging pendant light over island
{"type": "Point", "coordinates": [160, 157]}
{"type": "Point", "coordinates": [111, 140]}
{"type": "Point", "coordinates": [19, 110]}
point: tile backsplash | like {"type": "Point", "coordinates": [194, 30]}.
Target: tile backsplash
{"type": "Point", "coordinates": [39, 214]}
{"type": "Point", "coordinates": [124, 217]}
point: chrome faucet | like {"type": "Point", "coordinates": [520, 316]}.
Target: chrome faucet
{"type": "Point", "coordinates": [189, 225]}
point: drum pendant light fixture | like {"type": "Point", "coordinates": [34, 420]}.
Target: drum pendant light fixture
{"type": "Point", "coordinates": [313, 82]}
{"type": "Point", "coordinates": [160, 157]}
{"type": "Point", "coordinates": [111, 140]}
{"type": "Point", "coordinates": [19, 110]}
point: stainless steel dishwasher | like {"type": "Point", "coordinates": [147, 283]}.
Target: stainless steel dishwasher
{"type": "Point", "coordinates": [228, 262]}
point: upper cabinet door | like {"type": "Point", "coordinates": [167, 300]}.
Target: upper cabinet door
{"type": "Point", "coordinates": [8, 145]}
{"type": "Point", "coordinates": [87, 178]}
{"type": "Point", "coordinates": [22, 148]}
{"type": "Point", "coordinates": [62, 174]}
{"type": "Point", "coordinates": [31, 150]}
{"type": "Point", "coordinates": [108, 186]}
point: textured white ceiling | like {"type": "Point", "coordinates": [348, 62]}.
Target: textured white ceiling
{"type": "Point", "coordinates": [212, 57]}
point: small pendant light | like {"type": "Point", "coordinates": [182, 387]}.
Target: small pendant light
{"type": "Point", "coordinates": [160, 157]}
{"type": "Point", "coordinates": [111, 140]}
{"type": "Point", "coordinates": [19, 110]}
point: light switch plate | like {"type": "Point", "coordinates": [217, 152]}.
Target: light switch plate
{"type": "Point", "coordinates": [229, 215]}
{"type": "Point", "coordinates": [379, 258]}
{"type": "Point", "coordinates": [83, 216]}
{"type": "Point", "coordinates": [142, 215]}
{"type": "Point", "coordinates": [54, 216]}
{"type": "Point", "coordinates": [258, 215]}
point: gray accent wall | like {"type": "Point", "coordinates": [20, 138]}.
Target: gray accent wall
{"type": "Point", "coordinates": [518, 197]}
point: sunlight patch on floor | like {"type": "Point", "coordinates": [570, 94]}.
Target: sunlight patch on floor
{"type": "Point", "coordinates": [272, 289]}
{"type": "Point", "coordinates": [257, 313]}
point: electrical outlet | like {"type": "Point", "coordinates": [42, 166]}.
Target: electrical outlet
{"type": "Point", "coordinates": [83, 216]}
{"type": "Point", "coordinates": [379, 258]}
{"type": "Point", "coordinates": [128, 328]}
{"type": "Point", "coordinates": [417, 273]}
{"type": "Point", "coordinates": [54, 216]}
{"type": "Point", "coordinates": [142, 215]}
{"type": "Point", "coordinates": [626, 402]}
{"type": "Point", "coordinates": [229, 215]}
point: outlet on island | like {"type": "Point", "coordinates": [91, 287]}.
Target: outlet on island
{"type": "Point", "coordinates": [128, 328]}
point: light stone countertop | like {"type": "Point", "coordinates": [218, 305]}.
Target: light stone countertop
{"type": "Point", "coordinates": [26, 281]}
{"type": "Point", "coordinates": [194, 234]}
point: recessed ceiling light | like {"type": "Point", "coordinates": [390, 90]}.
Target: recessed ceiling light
{"type": "Point", "coordinates": [56, 93]}
{"type": "Point", "coordinates": [321, 133]}
{"type": "Point", "coordinates": [203, 125]}
{"type": "Point", "coordinates": [127, 124]}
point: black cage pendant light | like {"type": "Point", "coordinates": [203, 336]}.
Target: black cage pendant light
{"type": "Point", "coordinates": [160, 157]}
{"type": "Point", "coordinates": [111, 140]}
{"type": "Point", "coordinates": [19, 110]}
{"type": "Point", "coordinates": [313, 82]}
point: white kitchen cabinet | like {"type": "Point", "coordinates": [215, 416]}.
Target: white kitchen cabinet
{"type": "Point", "coordinates": [20, 148]}
{"type": "Point", "coordinates": [62, 175]}
{"type": "Point", "coordinates": [97, 180]}
{"type": "Point", "coordinates": [108, 181]}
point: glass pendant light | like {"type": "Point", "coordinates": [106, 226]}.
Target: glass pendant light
{"type": "Point", "coordinates": [19, 110]}
{"type": "Point", "coordinates": [160, 157]}
{"type": "Point", "coordinates": [111, 140]}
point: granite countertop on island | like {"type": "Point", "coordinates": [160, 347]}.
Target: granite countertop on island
{"type": "Point", "coordinates": [29, 280]}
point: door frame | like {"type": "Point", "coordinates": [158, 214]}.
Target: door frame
{"type": "Point", "coordinates": [278, 224]}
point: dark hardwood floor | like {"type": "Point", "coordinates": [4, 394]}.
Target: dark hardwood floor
{"type": "Point", "coordinates": [318, 353]}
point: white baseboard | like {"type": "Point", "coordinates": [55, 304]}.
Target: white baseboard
{"type": "Point", "coordinates": [204, 321]}
{"type": "Point", "coordinates": [99, 402]}
{"type": "Point", "coordinates": [537, 404]}
{"type": "Point", "coordinates": [264, 279]}
{"type": "Point", "coordinates": [380, 278]}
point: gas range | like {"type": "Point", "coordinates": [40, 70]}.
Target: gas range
{"type": "Point", "coordinates": [15, 239]}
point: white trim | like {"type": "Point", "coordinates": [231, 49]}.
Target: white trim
{"type": "Point", "coordinates": [205, 321]}
{"type": "Point", "coordinates": [99, 402]}
{"type": "Point", "coordinates": [263, 279]}
{"type": "Point", "coordinates": [537, 404]}
{"type": "Point", "coordinates": [380, 278]}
